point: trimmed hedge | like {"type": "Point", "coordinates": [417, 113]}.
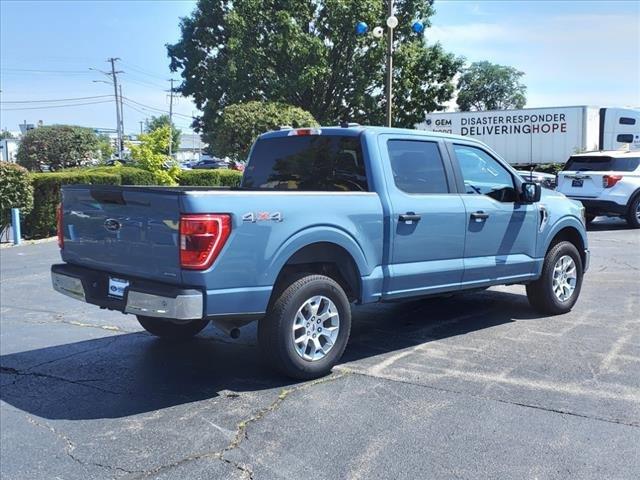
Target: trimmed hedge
{"type": "Point", "coordinates": [128, 175]}
{"type": "Point", "coordinates": [210, 178]}
{"type": "Point", "coordinates": [41, 222]}
{"type": "Point", "coordinates": [16, 191]}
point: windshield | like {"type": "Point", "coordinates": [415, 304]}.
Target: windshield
{"type": "Point", "coordinates": [311, 163]}
{"type": "Point", "coordinates": [602, 164]}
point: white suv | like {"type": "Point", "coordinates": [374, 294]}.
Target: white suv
{"type": "Point", "coordinates": [607, 183]}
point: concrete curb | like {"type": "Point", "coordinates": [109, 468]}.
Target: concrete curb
{"type": "Point", "coordinates": [29, 242]}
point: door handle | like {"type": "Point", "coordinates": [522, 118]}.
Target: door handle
{"type": "Point", "coordinates": [409, 217]}
{"type": "Point", "coordinates": [479, 216]}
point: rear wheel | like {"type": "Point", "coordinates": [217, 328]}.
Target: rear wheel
{"type": "Point", "coordinates": [172, 329]}
{"type": "Point", "coordinates": [558, 288]}
{"type": "Point", "coordinates": [307, 327]}
{"type": "Point", "coordinates": [633, 214]}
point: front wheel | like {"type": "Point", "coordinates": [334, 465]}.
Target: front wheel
{"type": "Point", "coordinates": [558, 288]}
{"type": "Point", "coordinates": [171, 329]}
{"type": "Point", "coordinates": [306, 329]}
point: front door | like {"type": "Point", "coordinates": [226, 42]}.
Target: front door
{"type": "Point", "coordinates": [427, 218]}
{"type": "Point", "coordinates": [501, 232]}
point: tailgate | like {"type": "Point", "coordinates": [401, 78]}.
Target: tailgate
{"type": "Point", "coordinates": [126, 230]}
{"type": "Point", "coordinates": [580, 184]}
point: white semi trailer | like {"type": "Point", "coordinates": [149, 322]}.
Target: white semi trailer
{"type": "Point", "coordinates": [543, 135]}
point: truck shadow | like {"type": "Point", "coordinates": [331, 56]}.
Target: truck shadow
{"type": "Point", "coordinates": [133, 373]}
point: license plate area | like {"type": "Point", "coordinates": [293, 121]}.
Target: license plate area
{"type": "Point", "coordinates": [117, 287]}
{"type": "Point", "coordinates": [577, 182]}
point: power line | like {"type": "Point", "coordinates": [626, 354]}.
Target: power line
{"type": "Point", "coordinates": [29, 70]}
{"type": "Point", "coordinates": [55, 100]}
{"type": "Point", "coordinates": [159, 109]}
{"type": "Point", "coordinates": [143, 72]}
{"type": "Point", "coordinates": [46, 107]}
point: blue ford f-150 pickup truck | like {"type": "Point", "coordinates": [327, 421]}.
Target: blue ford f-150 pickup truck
{"type": "Point", "coordinates": [324, 217]}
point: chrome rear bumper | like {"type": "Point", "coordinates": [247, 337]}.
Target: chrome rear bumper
{"type": "Point", "coordinates": [162, 301]}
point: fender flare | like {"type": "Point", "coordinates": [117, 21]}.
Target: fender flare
{"type": "Point", "coordinates": [316, 234]}
{"type": "Point", "coordinates": [568, 221]}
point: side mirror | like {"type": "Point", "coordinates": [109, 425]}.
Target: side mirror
{"type": "Point", "coordinates": [530, 192]}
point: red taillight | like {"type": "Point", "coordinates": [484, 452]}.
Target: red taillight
{"type": "Point", "coordinates": [60, 228]}
{"type": "Point", "coordinates": [202, 237]}
{"type": "Point", "coordinates": [609, 181]}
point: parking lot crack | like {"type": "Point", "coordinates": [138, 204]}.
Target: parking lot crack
{"type": "Point", "coordinates": [500, 400]}
{"type": "Point", "coordinates": [70, 447]}
{"type": "Point", "coordinates": [241, 433]}
{"type": "Point", "coordinates": [27, 373]}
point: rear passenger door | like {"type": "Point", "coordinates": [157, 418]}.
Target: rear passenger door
{"type": "Point", "coordinates": [501, 232]}
{"type": "Point", "coordinates": [427, 217]}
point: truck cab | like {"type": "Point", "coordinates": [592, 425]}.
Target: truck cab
{"type": "Point", "coordinates": [324, 218]}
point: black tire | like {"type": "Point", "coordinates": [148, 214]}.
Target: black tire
{"type": "Point", "coordinates": [275, 335]}
{"type": "Point", "coordinates": [168, 329]}
{"type": "Point", "coordinates": [540, 293]}
{"type": "Point", "coordinates": [632, 218]}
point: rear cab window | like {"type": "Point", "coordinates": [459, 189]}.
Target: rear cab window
{"type": "Point", "coordinates": [307, 163]}
{"type": "Point", "coordinates": [601, 164]}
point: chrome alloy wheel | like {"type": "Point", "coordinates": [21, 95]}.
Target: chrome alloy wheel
{"type": "Point", "coordinates": [638, 212]}
{"type": "Point", "coordinates": [565, 277]}
{"type": "Point", "coordinates": [315, 328]}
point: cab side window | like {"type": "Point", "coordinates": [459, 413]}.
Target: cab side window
{"type": "Point", "coordinates": [417, 166]}
{"type": "Point", "coordinates": [483, 175]}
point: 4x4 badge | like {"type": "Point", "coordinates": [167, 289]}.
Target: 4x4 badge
{"type": "Point", "coordinates": [262, 217]}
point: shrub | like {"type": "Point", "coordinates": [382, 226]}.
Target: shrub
{"type": "Point", "coordinates": [57, 146]}
{"type": "Point", "coordinates": [41, 222]}
{"type": "Point", "coordinates": [209, 178]}
{"type": "Point", "coordinates": [16, 191]}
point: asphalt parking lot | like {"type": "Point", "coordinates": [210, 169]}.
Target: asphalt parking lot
{"type": "Point", "coordinates": [475, 386]}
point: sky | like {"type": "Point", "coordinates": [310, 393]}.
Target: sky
{"type": "Point", "coordinates": [572, 53]}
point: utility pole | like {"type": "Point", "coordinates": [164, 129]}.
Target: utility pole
{"type": "Point", "coordinates": [171, 118]}
{"type": "Point", "coordinates": [121, 113]}
{"type": "Point", "coordinates": [141, 124]}
{"type": "Point", "coordinates": [114, 77]}
{"type": "Point", "coordinates": [390, 62]}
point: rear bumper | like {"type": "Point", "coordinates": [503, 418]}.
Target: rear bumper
{"type": "Point", "coordinates": [602, 206]}
{"type": "Point", "coordinates": [142, 297]}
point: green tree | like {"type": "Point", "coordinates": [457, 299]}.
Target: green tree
{"type": "Point", "coordinates": [151, 155]}
{"type": "Point", "coordinates": [240, 124]}
{"type": "Point", "coordinates": [57, 146]}
{"type": "Point", "coordinates": [487, 86]}
{"type": "Point", "coordinates": [163, 121]}
{"type": "Point", "coordinates": [105, 146]}
{"type": "Point", "coordinates": [6, 134]}
{"type": "Point", "coordinates": [305, 53]}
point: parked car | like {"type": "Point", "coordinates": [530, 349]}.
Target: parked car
{"type": "Point", "coordinates": [546, 180]}
{"type": "Point", "coordinates": [211, 164]}
{"type": "Point", "coordinates": [325, 217]}
{"type": "Point", "coordinates": [607, 183]}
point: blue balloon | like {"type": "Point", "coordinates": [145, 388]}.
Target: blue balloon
{"type": "Point", "coordinates": [361, 28]}
{"type": "Point", "coordinates": [417, 27]}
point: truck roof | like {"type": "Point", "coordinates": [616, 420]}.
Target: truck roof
{"type": "Point", "coordinates": [355, 130]}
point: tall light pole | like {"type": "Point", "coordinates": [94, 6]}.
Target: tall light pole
{"type": "Point", "coordinates": [171, 117]}
{"type": "Point", "coordinates": [392, 22]}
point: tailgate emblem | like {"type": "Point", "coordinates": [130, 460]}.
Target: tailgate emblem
{"type": "Point", "coordinates": [112, 225]}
